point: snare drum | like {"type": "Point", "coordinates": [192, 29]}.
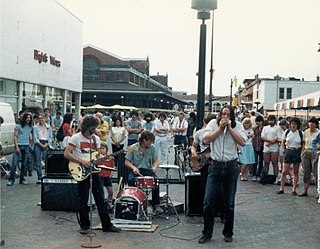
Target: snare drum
{"type": "Point", "coordinates": [145, 182]}
{"type": "Point", "coordinates": [130, 204]}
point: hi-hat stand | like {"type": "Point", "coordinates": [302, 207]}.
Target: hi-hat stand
{"type": "Point", "coordinates": [167, 203]}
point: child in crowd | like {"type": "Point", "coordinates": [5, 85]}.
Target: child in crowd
{"type": "Point", "coordinates": [246, 153]}
{"type": "Point", "coordinates": [106, 174]}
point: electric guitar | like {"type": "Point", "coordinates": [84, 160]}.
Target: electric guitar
{"type": "Point", "coordinates": [198, 163]}
{"type": "Point", "coordinates": [80, 173]}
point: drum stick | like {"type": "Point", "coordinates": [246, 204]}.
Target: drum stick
{"type": "Point", "coordinates": [140, 175]}
{"type": "Point", "coordinates": [119, 186]}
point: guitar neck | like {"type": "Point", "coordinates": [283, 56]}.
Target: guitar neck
{"type": "Point", "coordinates": [106, 157]}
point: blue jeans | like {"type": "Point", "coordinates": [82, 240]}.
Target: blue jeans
{"type": "Point", "coordinates": [227, 174]}
{"type": "Point", "coordinates": [38, 153]}
{"type": "Point", "coordinates": [24, 150]}
{"type": "Point", "coordinates": [258, 166]}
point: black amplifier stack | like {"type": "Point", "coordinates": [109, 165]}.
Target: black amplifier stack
{"type": "Point", "coordinates": [59, 191]}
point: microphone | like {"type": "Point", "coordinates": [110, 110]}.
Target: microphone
{"type": "Point", "coordinates": [225, 129]}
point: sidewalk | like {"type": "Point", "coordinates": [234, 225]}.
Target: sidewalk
{"type": "Point", "coordinates": [262, 220]}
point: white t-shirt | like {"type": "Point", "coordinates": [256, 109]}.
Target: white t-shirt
{"type": "Point", "coordinates": [159, 125]}
{"type": "Point", "coordinates": [224, 148]}
{"type": "Point", "coordinates": [117, 134]}
{"type": "Point", "coordinates": [198, 138]}
{"type": "Point", "coordinates": [270, 133]}
{"type": "Point", "coordinates": [82, 145]}
{"type": "Point", "coordinates": [293, 139]}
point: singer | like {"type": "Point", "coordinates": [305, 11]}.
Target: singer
{"type": "Point", "coordinates": [223, 134]}
{"type": "Point", "coordinates": [79, 147]}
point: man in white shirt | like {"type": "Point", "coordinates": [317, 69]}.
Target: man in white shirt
{"type": "Point", "coordinates": [271, 135]}
{"type": "Point", "coordinates": [180, 127]}
{"type": "Point", "coordinates": [224, 136]}
{"type": "Point", "coordinates": [161, 129]}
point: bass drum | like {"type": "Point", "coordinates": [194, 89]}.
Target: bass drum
{"type": "Point", "coordinates": [130, 204]}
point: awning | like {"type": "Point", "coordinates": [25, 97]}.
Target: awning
{"type": "Point", "coordinates": [309, 101]}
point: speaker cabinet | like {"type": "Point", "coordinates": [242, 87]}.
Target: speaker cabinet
{"type": "Point", "coordinates": [59, 194]}
{"type": "Point", "coordinates": [56, 164]}
{"type": "Point", "coordinates": [194, 194]}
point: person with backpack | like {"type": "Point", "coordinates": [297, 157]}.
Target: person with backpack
{"type": "Point", "coordinates": [293, 144]}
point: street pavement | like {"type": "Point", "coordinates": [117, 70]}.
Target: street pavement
{"type": "Point", "coordinates": [263, 220]}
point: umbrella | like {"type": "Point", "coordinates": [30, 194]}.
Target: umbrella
{"type": "Point", "coordinates": [122, 107]}
{"type": "Point", "coordinates": [97, 106]}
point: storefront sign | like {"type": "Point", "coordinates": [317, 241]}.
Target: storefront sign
{"type": "Point", "coordinates": [43, 57]}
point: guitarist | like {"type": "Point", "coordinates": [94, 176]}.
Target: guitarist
{"type": "Point", "coordinates": [78, 150]}
{"type": "Point", "coordinates": [200, 152]}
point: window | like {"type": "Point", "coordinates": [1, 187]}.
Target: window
{"type": "Point", "coordinates": [289, 93]}
{"type": "Point", "coordinates": [281, 93]}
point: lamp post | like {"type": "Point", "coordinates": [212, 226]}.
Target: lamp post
{"type": "Point", "coordinates": [277, 78]}
{"type": "Point", "coordinates": [203, 7]}
{"type": "Point", "coordinates": [231, 85]}
{"type": "Point", "coordinates": [95, 99]}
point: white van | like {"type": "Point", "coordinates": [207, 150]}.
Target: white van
{"type": "Point", "coordinates": [7, 128]}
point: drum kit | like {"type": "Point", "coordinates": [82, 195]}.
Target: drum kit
{"type": "Point", "coordinates": [132, 202]}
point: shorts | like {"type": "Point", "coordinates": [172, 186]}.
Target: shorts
{"type": "Point", "coordinates": [107, 182]}
{"type": "Point", "coordinates": [292, 156]}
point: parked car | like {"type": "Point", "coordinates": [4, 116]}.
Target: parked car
{"type": "Point", "coordinates": [7, 128]}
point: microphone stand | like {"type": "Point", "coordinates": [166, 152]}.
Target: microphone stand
{"type": "Point", "coordinates": [91, 234]}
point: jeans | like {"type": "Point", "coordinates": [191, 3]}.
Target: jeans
{"type": "Point", "coordinates": [258, 166]}
{"type": "Point", "coordinates": [98, 194]}
{"type": "Point", "coordinates": [24, 150]}
{"type": "Point", "coordinates": [227, 175]}
{"type": "Point", "coordinates": [38, 152]}
{"type": "Point", "coordinates": [155, 191]}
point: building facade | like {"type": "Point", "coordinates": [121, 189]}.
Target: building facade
{"type": "Point", "coordinates": [109, 80]}
{"type": "Point", "coordinates": [41, 56]}
{"type": "Point", "coordinates": [262, 93]}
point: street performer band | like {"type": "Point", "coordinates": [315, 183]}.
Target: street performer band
{"type": "Point", "coordinates": [222, 135]}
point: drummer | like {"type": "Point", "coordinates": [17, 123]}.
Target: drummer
{"type": "Point", "coordinates": [144, 162]}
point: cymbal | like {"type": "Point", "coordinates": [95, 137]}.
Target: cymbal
{"type": "Point", "coordinates": [107, 168]}
{"type": "Point", "coordinates": [168, 166]}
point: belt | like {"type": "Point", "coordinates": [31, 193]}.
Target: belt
{"type": "Point", "coordinates": [161, 135]}
{"type": "Point", "coordinates": [224, 164]}
{"type": "Point", "coordinates": [292, 148]}
{"type": "Point", "coordinates": [43, 141]}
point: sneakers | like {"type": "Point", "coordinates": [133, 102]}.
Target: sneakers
{"type": "Point", "coordinates": [204, 239]}
{"type": "Point", "coordinates": [10, 183]}
{"type": "Point", "coordinates": [112, 229]}
{"type": "Point", "coordinates": [84, 231]}
{"type": "Point", "coordinates": [38, 182]}
{"type": "Point", "coordinates": [23, 182]}
{"type": "Point", "coordinates": [228, 239]}
{"type": "Point", "coordinates": [254, 179]}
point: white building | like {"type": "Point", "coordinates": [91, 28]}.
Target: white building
{"type": "Point", "coordinates": [41, 56]}
{"type": "Point", "coordinates": [270, 91]}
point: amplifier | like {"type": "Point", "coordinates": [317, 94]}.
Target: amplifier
{"type": "Point", "coordinates": [194, 195]}
{"type": "Point", "coordinates": [60, 194]}
{"type": "Point", "coordinates": [56, 164]}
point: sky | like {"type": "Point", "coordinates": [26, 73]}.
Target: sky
{"type": "Point", "coordinates": [264, 37]}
